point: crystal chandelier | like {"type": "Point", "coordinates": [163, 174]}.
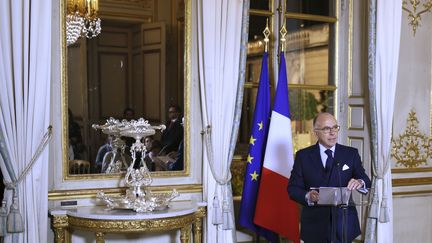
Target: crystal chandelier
{"type": "Point", "coordinates": [82, 20]}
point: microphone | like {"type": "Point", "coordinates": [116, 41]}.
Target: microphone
{"type": "Point", "coordinates": [340, 182]}
{"type": "Point", "coordinates": [343, 205]}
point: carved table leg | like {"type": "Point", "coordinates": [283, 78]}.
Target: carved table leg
{"type": "Point", "coordinates": [59, 234]}
{"type": "Point", "coordinates": [197, 230]}
{"type": "Point", "coordinates": [100, 237]}
{"type": "Point", "coordinates": [185, 234]}
{"type": "Point", "coordinates": [60, 223]}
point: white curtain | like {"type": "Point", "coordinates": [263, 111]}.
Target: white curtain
{"type": "Point", "coordinates": [383, 89]}
{"type": "Point", "coordinates": [25, 66]}
{"type": "Point", "coordinates": [219, 25]}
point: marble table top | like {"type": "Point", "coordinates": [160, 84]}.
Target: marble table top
{"type": "Point", "coordinates": [176, 208]}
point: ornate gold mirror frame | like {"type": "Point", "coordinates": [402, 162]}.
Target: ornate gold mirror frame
{"type": "Point", "coordinates": [64, 104]}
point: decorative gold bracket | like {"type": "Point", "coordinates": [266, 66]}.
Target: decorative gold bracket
{"type": "Point", "coordinates": [412, 148]}
{"type": "Point", "coordinates": [414, 17]}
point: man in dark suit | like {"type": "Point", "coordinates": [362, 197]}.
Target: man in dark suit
{"type": "Point", "coordinates": [173, 134]}
{"type": "Point", "coordinates": [326, 164]}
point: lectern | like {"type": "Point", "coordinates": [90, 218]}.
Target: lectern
{"type": "Point", "coordinates": [341, 197]}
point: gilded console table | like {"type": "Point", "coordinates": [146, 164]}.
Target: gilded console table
{"type": "Point", "coordinates": [97, 219]}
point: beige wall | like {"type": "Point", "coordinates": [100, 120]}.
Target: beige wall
{"type": "Point", "coordinates": [412, 188]}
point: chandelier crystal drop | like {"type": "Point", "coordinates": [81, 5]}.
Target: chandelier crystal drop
{"type": "Point", "coordinates": [82, 20]}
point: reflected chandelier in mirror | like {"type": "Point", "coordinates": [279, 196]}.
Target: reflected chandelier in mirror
{"type": "Point", "coordinates": [136, 67]}
{"type": "Point", "coordinates": [82, 20]}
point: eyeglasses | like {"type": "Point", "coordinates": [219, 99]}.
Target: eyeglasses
{"type": "Point", "coordinates": [327, 130]}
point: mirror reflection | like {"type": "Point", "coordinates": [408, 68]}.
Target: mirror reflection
{"type": "Point", "coordinates": [137, 136]}
{"type": "Point", "coordinates": [133, 69]}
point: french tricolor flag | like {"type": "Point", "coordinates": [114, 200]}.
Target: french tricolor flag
{"type": "Point", "coordinates": [274, 209]}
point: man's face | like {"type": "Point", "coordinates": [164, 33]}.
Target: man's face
{"type": "Point", "coordinates": [326, 130]}
{"type": "Point", "coordinates": [173, 113]}
{"type": "Point", "coordinates": [147, 142]}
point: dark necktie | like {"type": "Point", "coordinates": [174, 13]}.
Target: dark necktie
{"type": "Point", "coordinates": [329, 161]}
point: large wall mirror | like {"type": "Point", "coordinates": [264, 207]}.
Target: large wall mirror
{"type": "Point", "coordinates": [136, 67]}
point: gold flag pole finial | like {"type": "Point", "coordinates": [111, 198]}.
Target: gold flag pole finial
{"type": "Point", "coordinates": [283, 33]}
{"type": "Point", "coordinates": [266, 33]}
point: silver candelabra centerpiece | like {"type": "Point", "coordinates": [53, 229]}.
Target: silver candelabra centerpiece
{"type": "Point", "coordinates": [137, 196]}
{"type": "Point", "coordinates": [113, 161]}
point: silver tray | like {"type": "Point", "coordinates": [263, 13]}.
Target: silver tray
{"type": "Point", "coordinates": [141, 204]}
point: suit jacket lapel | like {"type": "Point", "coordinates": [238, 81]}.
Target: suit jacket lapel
{"type": "Point", "coordinates": [338, 155]}
{"type": "Point", "coordinates": [318, 165]}
{"type": "Point", "coordinates": [316, 158]}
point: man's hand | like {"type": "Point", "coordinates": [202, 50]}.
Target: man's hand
{"type": "Point", "coordinates": [355, 184]}
{"type": "Point", "coordinates": [313, 196]}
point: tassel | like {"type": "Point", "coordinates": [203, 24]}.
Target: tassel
{"type": "Point", "coordinates": [370, 232]}
{"type": "Point", "coordinates": [217, 214]}
{"type": "Point", "coordinates": [3, 216]}
{"type": "Point", "coordinates": [384, 212]}
{"type": "Point", "coordinates": [373, 209]}
{"type": "Point", "coordinates": [227, 222]}
{"type": "Point", "coordinates": [15, 220]}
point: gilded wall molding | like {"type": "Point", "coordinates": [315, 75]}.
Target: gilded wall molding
{"type": "Point", "coordinates": [410, 193]}
{"type": "Point", "coordinates": [411, 170]}
{"type": "Point", "coordinates": [415, 10]}
{"type": "Point", "coordinates": [412, 181]}
{"type": "Point", "coordinates": [412, 148]}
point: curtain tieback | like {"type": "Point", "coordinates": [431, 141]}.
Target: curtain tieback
{"type": "Point", "coordinates": [221, 213]}
{"type": "Point", "coordinates": [217, 214]}
{"type": "Point", "coordinates": [14, 218]}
